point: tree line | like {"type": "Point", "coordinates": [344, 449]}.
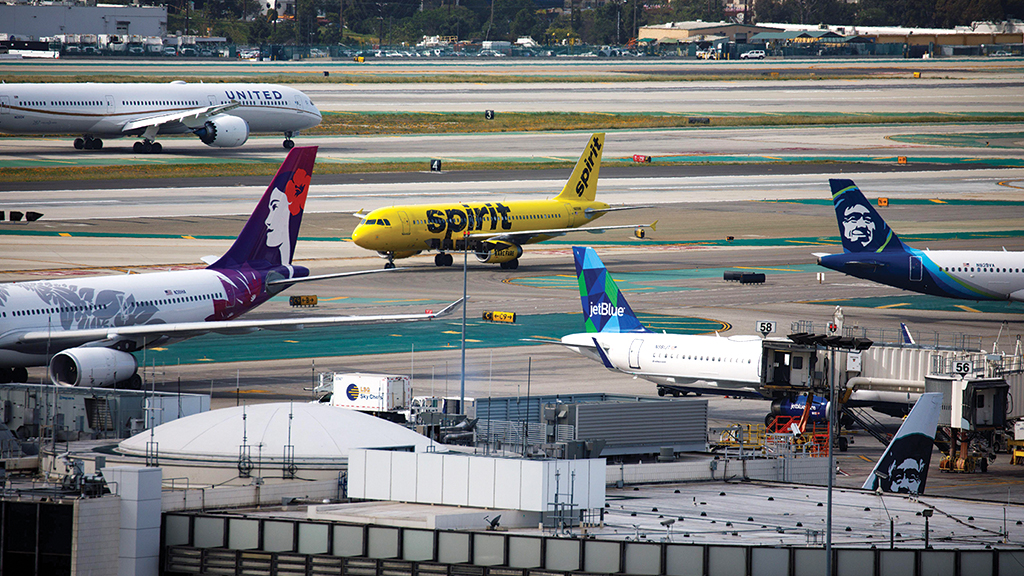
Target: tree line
{"type": "Point", "coordinates": [396, 22]}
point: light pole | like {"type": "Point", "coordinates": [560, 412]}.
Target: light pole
{"type": "Point", "coordinates": [927, 513]}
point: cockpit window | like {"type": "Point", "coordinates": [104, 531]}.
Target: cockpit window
{"type": "Point", "coordinates": [383, 222]}
{"type": "Point", "coordinates": [370, 222]}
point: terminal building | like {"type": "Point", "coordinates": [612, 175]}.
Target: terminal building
{"type": "Point", "coordinates": [579, 484]}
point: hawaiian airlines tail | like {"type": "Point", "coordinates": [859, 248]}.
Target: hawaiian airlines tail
{"type": "Point", "coordinates": [604, 306]}
{"type": "Point", "coordinates": [903, 466]}
{"type": "Point", "coordinates": [269, 236]}
{"type": "Point", "coordinates": [860, 226]}
{"type": "Point", "coordinates": [582, 184]}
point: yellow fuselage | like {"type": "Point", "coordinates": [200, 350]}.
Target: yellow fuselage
{"type": "Point", "coordinates": [405, 230]}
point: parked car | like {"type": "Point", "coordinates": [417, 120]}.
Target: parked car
{"type": "Point", "coordinates": [753, 55]}
{"type": "Point", "coordinates": [1002, 53]}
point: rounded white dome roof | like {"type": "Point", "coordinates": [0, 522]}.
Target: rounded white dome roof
{"type": "Point", "coordinates": [320, 434]}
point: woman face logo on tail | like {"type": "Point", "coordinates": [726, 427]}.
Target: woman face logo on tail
{"type": "Point", "coordinates": [278, 225]}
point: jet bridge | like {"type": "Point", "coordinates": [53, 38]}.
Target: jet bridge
{"type": "Point", "coordinates": [888, 377]}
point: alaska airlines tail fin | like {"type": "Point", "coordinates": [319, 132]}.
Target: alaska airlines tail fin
{"type": "Point", "coordinates": [903, 466]}
{"type": "Point", "coordinates": [582, 185]}
{"type": "Point", "coordinates": [604, 308]}
{"type": "Point", "coordinates": [860, 226]}
{"type": "Point", "coordinates": [268, 238]}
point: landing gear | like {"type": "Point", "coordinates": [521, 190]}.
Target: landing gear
{"type": "Point", "coordinates": [88, 143]}
{"type": "Point", "coordinates": [389, 265]}
{"type": "Point", "coordinates": [147, 147]}
{"type": "Point", "coordinates": [510, 265]}
{"type": "Point", "coordinates": [443, 260]}
{"type": "Point", "coordinates": [288, 142]}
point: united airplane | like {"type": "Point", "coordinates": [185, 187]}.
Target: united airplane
{"type": "Point", "coordinates": [221, 115]}
{"type": "Point", "coordinates": [494, 231]}
{"type": "Point", "coordinates": [872, 251]}
{"type": "Point", "coordinates": [85, 329]}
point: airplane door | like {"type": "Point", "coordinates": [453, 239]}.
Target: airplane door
{"type": "Point", "coordinates": [404, 217]}
{"type": "Point", "coordinates": [571, 216]}
{"type": "Point", "coordinates": [110, 104]}
{"type": "Point", "coordinates": [5, 104]}
{"type": "Point", "coordinates": [634, 353]}
{"type": "Point", "coordinates": [213, 100]}
{"type": "Point", "coordinates": [915, 269]}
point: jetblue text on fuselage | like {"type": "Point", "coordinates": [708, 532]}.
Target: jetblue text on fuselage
{"type": "Point", "coordinates": [606, 309]}
{"type": "Point", "coordinates": [584, 181]}
{"type": "Point", "coordinates": [253, 95]}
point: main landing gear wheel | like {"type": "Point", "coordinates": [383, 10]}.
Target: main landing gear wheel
{"type": "Point", "coordinates": [146, 147]}
{"type": "Point", "coordinates": [389, 265]}
{"type": "Point", "coordinates": [289, 144]}
{"type": "Point", "coordinates": [79, 143]}
{"type": "Point", "coordinates": [443, 260]}
{"type": "Point", "coordinates": [510, 265]}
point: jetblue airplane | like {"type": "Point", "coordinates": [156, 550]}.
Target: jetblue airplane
{"type": "Point", "coordinates": [903, 466]}
{"type": "Point", "coordinates": [682, 363]}
{"type": "Point", "coordinates": [221, 115]}
{"type": "Point", "coordinates": [872, 251]}
{"type": "Point", "coordinates": [85, 329]}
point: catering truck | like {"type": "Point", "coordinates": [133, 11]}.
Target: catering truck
{"type": "Point", "coordinates": [384, 395]}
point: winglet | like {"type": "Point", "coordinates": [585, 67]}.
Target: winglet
{"type": "Point", "coordinates": [908, 338]}
{"type": "Point", "coordinates": [604, 357]}
{"type": "Point", "coordinates": [450, 308]}
{"type": "Point", "coordinates": [903, 466]}
{"type": "Point", "coordinates": [654, 226]}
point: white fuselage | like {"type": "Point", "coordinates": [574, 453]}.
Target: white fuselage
{"type": "Point", "coordinates": [717, 364]}
{"type": "Point", "coordinates": [103, 109]}
{"type": "Point", "coordinates": [52, 306]}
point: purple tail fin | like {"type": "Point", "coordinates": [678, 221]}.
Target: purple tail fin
{"type": "Point", "coordinates": [268, 238]}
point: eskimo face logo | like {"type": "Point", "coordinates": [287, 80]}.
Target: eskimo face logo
{"type": "Point", "coordinates": [606, 309]}
{"type": "Point", "coordinates": [905, 476]}
{"type": "Point", "coordinates": [858, 225]}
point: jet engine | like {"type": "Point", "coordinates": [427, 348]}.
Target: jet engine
{"type": "Point", "coordinates": [498, 252]}
{"type": "Point", "coordinates": [223, 131]}
{"type": "Point", "coordinates": [89, 367]}
{"type": "Point", "coordinates": [639, 232]}
{"type": "Point", "coordinates": [794, 407]}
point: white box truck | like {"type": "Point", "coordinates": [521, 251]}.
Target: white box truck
{"type": "Point", "coordinates": [366, 392]}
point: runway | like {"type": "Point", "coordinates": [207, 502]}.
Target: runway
{"type": "Point", "coordinates": [777, 216]}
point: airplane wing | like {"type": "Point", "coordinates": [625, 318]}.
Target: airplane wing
{"type": "Point", "coordinates": [192, 118]}
{"type": "Point", "coordinates": [183, 329]}
{"type": "Point", "coordinates": [590, 211]}
{"type": "Point", "coordinates": [526, 235]}
{"type": "Point", "coordinates": [558, 342]}
{"type": "Point", "coordinates": [290, 281]}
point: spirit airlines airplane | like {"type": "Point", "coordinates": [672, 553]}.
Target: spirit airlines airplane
{"type": "Point", "coordinates": [872, 251]}
{"type": "Point", "coordinates": [221, 115]}
{"type": "Point", "coordinates": [495, 231]}
{"type": "Point", "coordinates": [85, 329]}
{"type": "Point", "coordinates": [682, 363]}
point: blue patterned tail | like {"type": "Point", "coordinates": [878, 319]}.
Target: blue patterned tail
{"type": "Point", "coordinates": [604, 308]}
{"type": "Point", "coordinates": [860, 226]}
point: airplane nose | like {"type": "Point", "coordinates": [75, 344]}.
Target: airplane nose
{"type": "Point", "coordinates": [360, 236]}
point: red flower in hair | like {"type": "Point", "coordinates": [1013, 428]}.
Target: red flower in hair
{"type": "Point", "coordinates": [296, 191]}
